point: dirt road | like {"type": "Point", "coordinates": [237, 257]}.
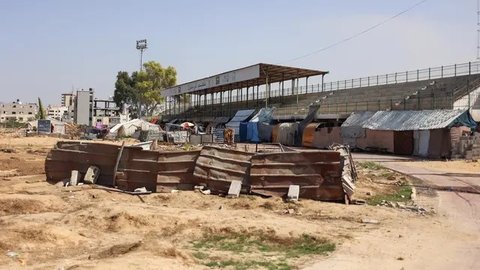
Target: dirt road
{"type": "Point", "coordinates": [450, 240]}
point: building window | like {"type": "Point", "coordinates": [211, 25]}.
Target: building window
{"type": "Point", "coordinates": [14, 112]}
{"type": "Point", "coordinates": [14, 106]}
{"type": "Point", "coordinates": [20, 119]}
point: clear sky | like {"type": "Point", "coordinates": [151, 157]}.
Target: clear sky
{"type": "Point", "coordinates": [49, 47]}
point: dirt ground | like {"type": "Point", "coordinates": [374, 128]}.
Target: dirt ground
{"type": "Point", "coordinates": [48, 226]}
{"type": "Point", "coordinates": [454, 166]}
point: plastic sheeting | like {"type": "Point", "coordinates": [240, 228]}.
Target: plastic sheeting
{"type": "Point", "coordinates": [250, 131]}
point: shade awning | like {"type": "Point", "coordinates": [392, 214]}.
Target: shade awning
{"type": "Point", "coordinates": [259, 74]}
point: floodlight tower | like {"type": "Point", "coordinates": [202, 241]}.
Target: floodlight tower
{"type": "Point", "coordinates": [141, 46]}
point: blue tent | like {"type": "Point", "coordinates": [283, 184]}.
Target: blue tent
{"type": "Point", "coordinates": [249, 131]}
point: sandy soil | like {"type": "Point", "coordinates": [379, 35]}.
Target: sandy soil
{"type": "Point", "coordinates": [53, 227]}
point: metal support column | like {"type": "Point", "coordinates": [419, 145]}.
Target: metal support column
{"type": "Point", "coordinates": [267, 96]}
{"type": "Point", "coordinates": [306, 85]}
{"type": "Point", "coordinates": [323, 75]}
{"type": "Point", "coordinates": [247, 94]}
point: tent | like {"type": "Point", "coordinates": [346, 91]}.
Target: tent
{"type": "Point", "coordinates": [128, 129]}
{"type": "Point", "coordinates": [250, 131]}
{"type": "Point", "coordinates": [240, 116]}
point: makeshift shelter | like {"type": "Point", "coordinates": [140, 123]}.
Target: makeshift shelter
{"type": "Point", "coordinates": [130, 128]}
{"type": "Point", "coordinates": [217, 126]}
{"type": "Point", "coordinates": [240, 116]}
{"type": "Point", "coordinates": [352, 131]}
{"type": "Point", "coordinates": [285, 133]}
{"type": "Point", "coordinates": [321, 135]}
{"type": "Point", "coordinates": [422, 133]}
{"type": "Point", "coordinates": [250, 131]}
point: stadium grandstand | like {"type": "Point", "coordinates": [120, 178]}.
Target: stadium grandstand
{"type": "Point", "coordinates": [222, 95]}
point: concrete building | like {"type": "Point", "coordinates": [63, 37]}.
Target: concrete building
{"type": "Point", "coordinates": [106, 112]}
{"type": "Point", "coordinates": [84, 107]}
{"type": "Point", "coordinates": [68, 99]}
{"type": "Point", "coordinates": [56, 112]}
{"type": "Point", "coordinates": [18, 111]}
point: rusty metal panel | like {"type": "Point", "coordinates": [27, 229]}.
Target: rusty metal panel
{"type": "Point", "coordinates": [219, 166]}
{"type": "Point", "coordinates": [175, 170]}
{"type": "Point", "coordinates": [317, 172]}
{"type": "Point", "coordinates": [60, 162]}
{"type": "Point", "coordinates": [308, 133]}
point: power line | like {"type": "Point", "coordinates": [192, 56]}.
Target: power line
{"type": "Point", "coordinates": [357, 34]}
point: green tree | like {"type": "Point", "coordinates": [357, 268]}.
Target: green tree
{"type": "Point", "coordinates": [41, 110]}
{"type": "Point", "coordinates": [151, 81]}
{"type": "Point", "coordinates": [125, 89]}
{"type": "Point", "coordinates": [145, 87]}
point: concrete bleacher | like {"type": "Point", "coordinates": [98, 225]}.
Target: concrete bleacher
{"type": "Point", "coordinates": [417, 95]}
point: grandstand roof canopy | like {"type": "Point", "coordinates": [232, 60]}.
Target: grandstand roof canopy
{"type": "Point", "coordinates": [250, 76]}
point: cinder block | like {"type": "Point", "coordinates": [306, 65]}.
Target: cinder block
{"type": "Point", "coordinates": [92, 175]}
{"type": "Point", "coordinates": [293, 193]}
{"type": "Point", "coordinates": [74, 177]}
{"type": "Point", "coordinates": [235, 188]}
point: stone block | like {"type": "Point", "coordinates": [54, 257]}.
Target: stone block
{"type": "Point", "coordinates": [74, 177]}
{"type": "Point", "coordinates": [92, 175]}
{"type": "Point", "coordinates": [235, 188]}
{"type": "Point", "coordinates": [293, 193]}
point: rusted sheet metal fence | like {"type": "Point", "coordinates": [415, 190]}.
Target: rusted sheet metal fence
{"type": "Point", "coordinates": [157, 171]}
{"type": "Point", "coordinates": [218, 167]}
{"type": "Point", "coordinates": [317, 173]}
{"type": "Point", "coordinates": [175, 170]}
{"type": "Point", "coordinates": [68, 156]}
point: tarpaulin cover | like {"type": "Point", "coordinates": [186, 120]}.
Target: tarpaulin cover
{"type": "Point", "coordinates": [265, 132]}
{"type": "Point", "coordinates": [251, 131]}
{"type": "Point", "coordinates": [243, 132]}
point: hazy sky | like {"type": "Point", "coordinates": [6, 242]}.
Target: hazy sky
{"type": "Point", "coordinates": [49, 47]}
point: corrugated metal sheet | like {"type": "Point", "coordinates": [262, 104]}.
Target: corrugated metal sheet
{"type": "Point", "coordinates": [175, 170]}
{"type": "Point", "coordinates": [219, 166]}
{"type": "Point", "coordinates": [412, 120]}
{"type": "Point", "coordinates": [157, 171]}
{"type": "Point", "coordinates": [357, 119]}
{"type": "Point", "coordinates": [317, 172]}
